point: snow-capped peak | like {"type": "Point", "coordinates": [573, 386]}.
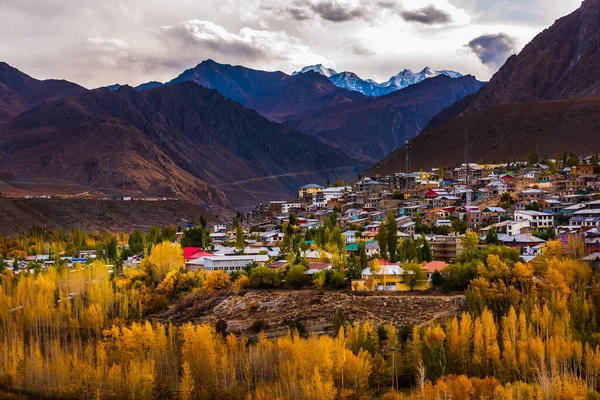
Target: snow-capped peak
{"type": "Point", "coordinates": [319, 69]}
{"type": "Point", "coordinates": [351, 81]}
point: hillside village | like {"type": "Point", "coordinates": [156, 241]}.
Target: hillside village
{"type": "Point", "coordinates": [520, 205]}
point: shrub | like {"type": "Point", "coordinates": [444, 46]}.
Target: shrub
{"type": "Point", "coordinates": [295, 277]}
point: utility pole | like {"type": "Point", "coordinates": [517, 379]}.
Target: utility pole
{"type": "Point", "coordinates": [407, 147]}
{"type": "Point", "coordinates": [467, 181]}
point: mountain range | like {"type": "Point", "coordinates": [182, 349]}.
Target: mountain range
{"type": "Point", "coordinates": [368, 87]}
{"type": "Point", "coordinates": [180, 140]}
{"type": "Point", "coordinates": [545, 99]}
{"type": "Point", "coordinates": [222, 135]}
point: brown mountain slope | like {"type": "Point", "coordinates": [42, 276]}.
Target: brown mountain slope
{"type": "Point", "coordinates": [506, 132]}
{"type": "Point", "coordinates": [561, 62]}
{"type": "Point", "coordinates": [176, 141]}
{"type": "Point", "coordinates": [274, 95]}
{"type": "Point", "coordinates": [371, 128]}
{"type": "Point", "coordinates": [20, 92]}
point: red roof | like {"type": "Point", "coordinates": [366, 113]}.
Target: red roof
{"type": "Point", "coordinates": [435, 266]}
{"type": "Point", "coordinates": [193, 253]}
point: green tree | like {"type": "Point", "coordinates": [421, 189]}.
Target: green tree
{"type": "Point", "coordinates": [414, 273]}
{"type": "Point", "coordinates": [296, 277]}
{"type": "Point", "coordinates": [426, 252]}
{"type": "Point", "coordinates": [492, 237]}
{"type": "Point", "coordinates": [382, 239]}
{"type": "Point", "coordinates": [391, 227]}
{"type": "Point", "coordinates": [239, 237]}
{"type": "Point", "coordinates": [263, 277]}
{"type": "Point", "coordinates": [111, 249]}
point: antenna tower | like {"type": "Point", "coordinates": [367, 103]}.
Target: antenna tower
{"type": "Point", "coordinates": [407, 146]}
{"type": "Point", "coordinates": [467, 181]}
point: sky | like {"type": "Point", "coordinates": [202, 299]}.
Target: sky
{"type": "Point", "coordinates": [96, 43]}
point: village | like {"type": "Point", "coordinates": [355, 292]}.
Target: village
{"type": "Point", "coordinates": [433, 214]}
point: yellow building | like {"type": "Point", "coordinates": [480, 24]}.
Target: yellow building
{"type": "Point", "coordinates": [389, 278]}
{"type": "Point", "coordinates": [309, 190]}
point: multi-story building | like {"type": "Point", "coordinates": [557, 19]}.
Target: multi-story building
{"type": "Point", "coordinates": [309, 190]}
{"type": "Point", "coordinates": [538, 220]}
{"type": "Point", "coordinates": [446, 248]}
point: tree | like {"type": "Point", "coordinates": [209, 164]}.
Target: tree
{"type": "Point", "coordinates": [414, 273]}
{"type": "Point", "coordinates": [217, 280]}
{"type": "Point", "coordinates": [239, 237]}
{"type": "Point", "coordinates": [186, 385]}
{"type": "Point", "coordinates": [492, 237]}
{"type": "Point", "coordinates": [391, 227]}
{"type": "Point", "coordinates": [296, 277]}
{"type": "Point", "coordinates": [382, 240]}
{"type": "Point", "coordinates": [470, 242]}
{"type": "Point", "coordinates": [263, 277]}
{"type": "Point", "coordinates": [111, 249]}
{"type": "Point", "coordinates": [164, 257]}
{"type": "Point", "coordinates": [427, 254]}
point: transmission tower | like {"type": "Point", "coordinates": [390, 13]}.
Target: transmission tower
{"type": "Point", "coordinates": [467, 181]}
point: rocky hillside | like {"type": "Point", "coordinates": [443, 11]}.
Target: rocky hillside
{"type": "Point", "coordinates": [180, 140]}
{"type": "Point", "coordinates": [19, 215]}
{"type": "Point", "coordinates": [541, 100]}
{"type": "Point", "coordinates": [506, 132]}
{"type": "Point", "coordinates": [371, 128]}
{"type": "Point", "coordinates": [275, 312]}
{"type": "Point", "coordinates": [561, 62]}
{"type": "Point", "coordinates": [20, 92]}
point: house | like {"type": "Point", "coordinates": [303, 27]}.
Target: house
{"type": "Point", "coordinates": [433, 266]}
{"type": "Point", "coordinates": [593, 261]}
{"type": "Point", "coordinates": [497, 188]}
{"type": "Point", "coordinates": [287, 207]}
{"type": "Point", "coordinates": [408, 228]}
{"type": "Point", "coordinates": [389, 277]}
{"type": "Point", "coordinates": [538, 220]}
{"type": "Point", "coordinates": [520, 241]}
{"type": "Point", "coordinates": [318, 267]}
{"type": "Point", "coordinates": [350, 237]}
{"type": "Point", "coordinates": [194, 253]}
{"type": "Point", "coordinates": [309, 190]}
{"type": "Point", "coordinates": [219, 228]}
{"type": "Point", "coordinates": [492, 215]}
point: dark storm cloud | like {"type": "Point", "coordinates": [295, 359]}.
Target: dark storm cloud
{"type": "Point", "coordinates": [391, 4]}
{"type": "Point", "coordinates": [334, 12]}
{"type": "Point", "coordinates": [429, 15]}
{"type": "Point", "coordinates": [299, 14]}
{"type": "Point", "coordinates": [493, 50]}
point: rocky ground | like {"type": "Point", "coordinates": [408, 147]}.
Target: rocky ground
{"type": "Point", "coordinates": [275, 311]}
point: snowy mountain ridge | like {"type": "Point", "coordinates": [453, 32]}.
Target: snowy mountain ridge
{"type": "Point", "coordinates": [351, 81]}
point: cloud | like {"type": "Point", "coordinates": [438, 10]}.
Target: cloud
{"type": "Point", "coordinates": [429, 15]}
{"type": "Point", "coordinates": [360, 49]}
{"type": "Point", "coordinates": [494, 49]}
{"type": "Point", "coordinates": [336, 12]}
{"type": "Point", "coordinates": [204, 39]}
{"type": "Point", "coordinates": [298, 13]}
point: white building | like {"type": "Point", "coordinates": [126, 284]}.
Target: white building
{"type": "Point", "coordinates": [536, 219]}
{"type": "Point", "coordinates": [227, 264]}
{"type": "Point", "coordinates": [286, 207]}
{"type": "Point", "coordinates": [219, 228]}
